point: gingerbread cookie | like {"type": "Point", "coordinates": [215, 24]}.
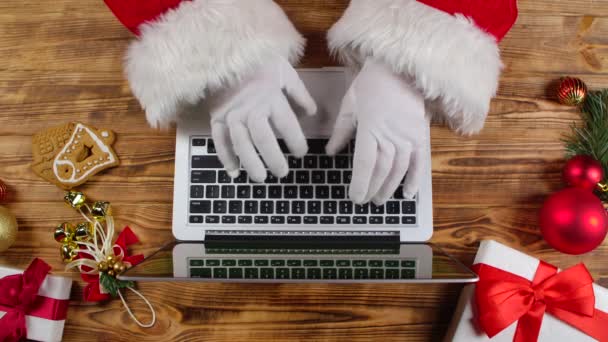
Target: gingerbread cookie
{"type": "Point", "coordinates": [69, 155]}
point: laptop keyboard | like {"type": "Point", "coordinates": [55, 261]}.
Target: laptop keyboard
{"type": "Point", "coordinates": [315, 192]}
{"type": "Point", "coordinates": [310, 269]}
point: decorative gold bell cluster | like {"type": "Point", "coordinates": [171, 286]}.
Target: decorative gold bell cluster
{"type": "Point", "coordinates": [112, 266]}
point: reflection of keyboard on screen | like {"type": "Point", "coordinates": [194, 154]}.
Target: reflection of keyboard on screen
{"type": "Point", "coordinates": [314, 192]}
{"type": "Point", "coordinates": [310, 269]}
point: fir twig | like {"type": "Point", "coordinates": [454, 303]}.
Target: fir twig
{"type": "Point", "coordinates": [592, 138]}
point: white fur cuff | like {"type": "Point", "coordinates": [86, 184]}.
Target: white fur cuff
{"type": "Point", "coordinates": [453, 62]}
{"type": "Point", "coordinates": [203, 46]}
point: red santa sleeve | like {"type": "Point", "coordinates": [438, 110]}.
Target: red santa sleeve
{"type": "Point", "coordinates": [449, 48]}
{"type": "Point", "coordinates": [186, 49]}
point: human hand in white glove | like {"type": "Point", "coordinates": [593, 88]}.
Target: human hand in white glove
{"type": "Point", "coordinates": [388, 115]}
{"type": "Point", "coordinates": [242, 119]}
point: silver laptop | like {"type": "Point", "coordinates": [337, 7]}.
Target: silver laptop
{"type": "Point", "coordinates": [301, 227]}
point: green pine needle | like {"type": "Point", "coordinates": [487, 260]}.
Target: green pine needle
{"type": "Point", "coordinates": [592, 138]}
{"type": "Point", "coordinates": [113, 285]}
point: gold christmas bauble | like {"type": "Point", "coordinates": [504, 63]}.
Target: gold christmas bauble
{"type": "Point", "coordinates": [8, 229]}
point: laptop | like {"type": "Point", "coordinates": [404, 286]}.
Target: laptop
{"type": "Point", "coordinates": [299, 228]}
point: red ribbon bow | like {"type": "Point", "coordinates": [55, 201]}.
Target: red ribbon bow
{"type": "Point", "coordinates": [92, 292]}
{"type": "Point", "coordinates": [504, 298]}
{"type": "Point", "coordinates": [19, 297]}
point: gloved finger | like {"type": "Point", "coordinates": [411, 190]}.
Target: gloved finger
{"type": "Point", "coordinates": [394, 178]}
{"type": "Point", "coordinates": [288, 126]}
{"type": "Point", "coordinates": [414, 174]}
{"type": "Point", "coordinates": [266, 142]}
{"type": "Point", "coordinates": [225, 150]}
{"type": "Point", "coordinates": [296, 89]}
{"type": "Point", "coordinates": [364, 161]}
{"type": "Point", "coordinates": [243, 146]}
{"type": "Point", "coordinates": [384, 164]}
{"type": "Point", "coordinates": [344, 128]}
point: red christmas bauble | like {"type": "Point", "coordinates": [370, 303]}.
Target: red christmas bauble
{"type": "Point", "coordinates": [573, 221]}
{"type": "Point", "coordinates": [571, 91]}
{"type": "Point", "coordinates": [583, 172]}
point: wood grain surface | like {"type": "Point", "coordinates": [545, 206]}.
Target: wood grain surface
{"type": "Point", "coordinates": [61, 61]}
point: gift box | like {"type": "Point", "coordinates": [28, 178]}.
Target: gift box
{"type": "Point", "coordinates": [33, 304]}
{"type": "Point", "coordinates": [520, 298]}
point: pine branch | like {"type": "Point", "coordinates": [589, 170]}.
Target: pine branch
{"type": "Point", "coordinates": [592, 138]}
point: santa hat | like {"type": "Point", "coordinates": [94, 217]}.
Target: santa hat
{"type": "Point", "coordinates": [186, 49]}
{"type": "Point", "coordinates": [449, 48]}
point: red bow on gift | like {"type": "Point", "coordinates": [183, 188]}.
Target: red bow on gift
{"type": "Point", "coordinates": [92, 292]}
{"type": "Point", "coordinates": [19, 297]}
{"type": "Point", "coordinates": [504, 298]}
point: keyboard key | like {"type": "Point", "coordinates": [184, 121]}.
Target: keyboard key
{"type": "Point", "coordinates": [235, 273]}
{"type": "Point", "coordinates": [313, 273]}
{"type": "Point", "coordinates": [267, 273]}
{"type": "Point", "coordinates": [223, 177]}
{"type": "Point", "coordinates": [288, 179]}
{"type": "Point", "coordinates": [303, 177]}
{"type": "Point", "coordinates": [326, 162]}
{"type": "Point", "coordinates": [311, 220]}
{"type": "Point", "coordinates": [316, 146]}
{"type": "Point", "coordinates": [408, 263]}
{"type": "Point", "coordinates": [277, 220]}
{"type": "Point", "coordinates": [327, 263]}
{"type": "Point", "coordinates": [392, 207]}
{"type": "Point", "coordinates": [200, 273]}
{"type": "Point", "coordinates": [310, 162]}
{"type": "Point", "coordinates": [294, 220]}
{"type": "Point", "coordinates": [196, 191]}
{"type": "Point", "coordinates": [338, 192]}
{"type": "Point", "coordinates": [392, 220]}
{"type": "Point", "coordinates": [267, 207]}
{"type": "Point", "coordinates": [251, 207]}
{"type": "Point", "coordinates": [261, 219]}
{"type": "Point", "coordinates": [206, 162]}
{"type": "Point", "coordinates": [375, 263]}
{"type": "Point", "coordinates": [345, 273]}
{"type": "Point", "coordinates": [196, 219]}
{"type": "Point", "coordinates": [275, 191]}
{"type": "Point", "coordinates": [343, 220]}
{"type": "Point", "coordinates": [251, 273]}
{"type": "Point", "coordinates": [334, 177]}
{"type": "Point", "coordinates": [228, 262]}
{"type": "Point", "coordinates": [203, 177]}
{"type": "Point", "coordinates": [228, 219]}
{"type": "Point", "coordinates": [322, 192]}
{"type": "Point", "coordinates": [330, 273]}
{"type": "Point", "coordinates": [347, 177]}
{"type": "Point", "coordinates": [261, 263]}
{"type": "Point", "coordinates": [245, 219]}
{"type": "Point", "coordinates": [314, 207]}
{"type": "Point", "coordinates": [346, 207]}
{"type": "Point", "coordinates": [298, 273]}
{"type": "Point", "coordinates": [310, 263]}
{"type": "Point", "coordinates": [290, 192]}
{"type": "Point", "coordinates": [408, 219]}
{"type": "Point", "coordinates": [343, 263]}
{"type": "Point", "coordinates": [282, 207]}
{"type": "Point", "coordinates": [197, 262]}
{"type": "Point", "coordinates": [391, 263]}
{"type": "Point", "coordinates": [294, 163]}
{"type": "Point", "coordinates": [376, 220]}
{"type": "Point", "coordinates": [212, 191]}
{"type": "Point", "coordinates": [235, 207]}
{"type": "Point", "coordinates": [306, 191]}
{"type": "Point", "coordinates": [243, 191]}
{"type": "Point", "coordinates": [212, 219]}
{"type": "Point", "coordinates": [220, 273]}
{"type": "Point", "coordinates": [329, 207]}
{"type": "Point", "coordinates": [212, 262]}
{"type": "Point", "coordinates": [271, 179]}
{"type": "Point", "coordinates": [242, 178]}
{"type": "Point", "coordinates": [408, 274]}
{"type": "Point", "coordinates": [408, 207]}
{"type": "Point", "coordinates": [374, 209]}
{"type": "Point", "coordinates": [376, 273]}
{"type": "Point", "coordinates": [199, 142]}
{"type": "Point", "coordinates": [360, 220]}
{"type": "Point", "coordinates": [342, 162]}
{"type": "Point", "coordinates": [228, 191]}
{"type": "Point", "coordinates": [318, 177]}
{"type": "Point", "coordinates": [294, 263]}
{"type": "Point", "coordinates": [220, 207]}
{"type": "Point", "coordinates": [362, 208]}
{"type": "Point", "coordinates": [298, 207]}
{"type": "Point", "coordinates": [327, 220]}
{"type": "Point", "coordinates": [259, 191]}
{"type": "Point", "coordinates": [211, 147]}
{"type": "Point", "coordinates": [200, 207]}
{"type": "Point", "coordinates": [277, 263]}
{"type": "Point", "coordinates": [392, 273]}
{"type": "Point", "coordinates": [359, 263]}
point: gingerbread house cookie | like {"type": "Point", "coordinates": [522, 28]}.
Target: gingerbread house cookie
{"type": "Point", "coordinates": [69, 155]}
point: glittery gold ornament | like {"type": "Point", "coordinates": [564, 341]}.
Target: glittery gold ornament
{"type": "Point", "coordinates": [572, 91]}
{"type": "Point", "coordinates": [75, 199]}
{"type": "Point", "coordinates": [102, 267]}
{"type": "Point", "coordinates": [8, 229]}
{"type": "Point", "coordinates": [100, 210]}
{"type": "Point", "coordinates": [83, 232]}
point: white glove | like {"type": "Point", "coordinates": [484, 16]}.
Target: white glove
{"type": "Point", "coordinates": [243, 118]}
{"type": "Point", "coordinates": [388, 115]}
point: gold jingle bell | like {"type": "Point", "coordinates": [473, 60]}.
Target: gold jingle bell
{"type": "Point", "coordinates": [75, 199]}
{"type": "Point", "coordinates": [83, 232]}
{"type": "Point", "coordinates": [64, 232]}
{"type": "Point", "coordinates": [69, 251]}
{"type": "Point", "coordinates": [100, 210]}
{"type": "Point", "coordinates": [102, 267]}
{"type": "Point", "coordinates": [119, 267]}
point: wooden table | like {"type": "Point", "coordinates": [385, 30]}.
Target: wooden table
{"type": "Point", "coordinates": [61, 61]}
